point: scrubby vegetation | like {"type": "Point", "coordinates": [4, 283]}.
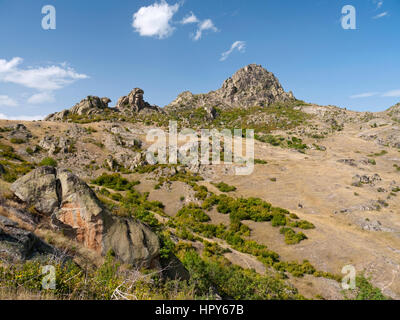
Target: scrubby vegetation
{"type": "Point", "coordinates": [223, 187]}
{"type": "Point", "coordinates": [12, 165]}
{"type": "Point", "coordinates": [365, 291]}
{"type": "Point", "coordinates": [48, 161]}
{"type": "Point", "coordinates": [115, 182]}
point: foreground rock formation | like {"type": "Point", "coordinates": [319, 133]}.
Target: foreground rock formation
{"type": "Point", "coordinates": [74, 209]}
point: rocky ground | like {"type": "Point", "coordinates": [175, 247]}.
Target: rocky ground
{"type": "Point", "coordinates": [336, 169]}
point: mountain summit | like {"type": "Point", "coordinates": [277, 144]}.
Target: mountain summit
{"type": "Point", "coordinates": [248, 87]}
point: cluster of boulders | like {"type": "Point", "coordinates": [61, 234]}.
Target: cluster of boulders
{"type": "Point", "coordinates": [90, 106]}
{"type": "Point", "coordinates": [128, 105]}
{"type": "Point", "coordinates": [73, 208]}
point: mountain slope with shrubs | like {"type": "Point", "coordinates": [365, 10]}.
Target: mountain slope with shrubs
{"type": "Point", "coordinates": [325, 183]}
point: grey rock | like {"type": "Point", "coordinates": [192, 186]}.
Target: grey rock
{"type": "Point", "coordinates": [17, 245]}
{"type": "Point", "coordinates": [19, 131]}
{"type": "Point", "coordinates": [134, 103]}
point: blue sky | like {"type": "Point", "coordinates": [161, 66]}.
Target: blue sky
{"type": "Point", "coordinates": [107, 48]}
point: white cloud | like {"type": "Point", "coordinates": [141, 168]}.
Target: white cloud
{"type": "Point", "coordinates": [237, 45]}
{"type": "Point", "coordinates": [154, 20]}
{"type": "Point", "coordinates": [6, 101]}
{"type": "Point", "coordinates": [393, 93]}
{"type": "Point", "coordinates": [364, 95]}
{"type": "Point", "coordinates": [203, 26]}
{"type": "Point", "coordinates": [27, 118]}
{"type": "Point", "coordinates": [40, 78]}
{"type": "Point", "coordinates": [381, 15]}
{"type": "Point", "coordinates": [41, 97]}
{"type": "Point", "coordinates": [190, 19]}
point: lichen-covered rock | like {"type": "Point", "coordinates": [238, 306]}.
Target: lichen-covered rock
{"type": "Point", "coordinates": [38, 189]}
{"type": "Point", "coordinates": [75, 210]}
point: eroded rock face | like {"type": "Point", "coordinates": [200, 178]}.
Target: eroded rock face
{"type": "Point", "coordinates": [134, 103]}
{"type": "Point", "coordinates": [75, 209]}
{"type": "Point", "coordinates": [250, 86]}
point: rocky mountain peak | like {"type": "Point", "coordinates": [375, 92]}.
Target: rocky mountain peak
{"type": "Point", "coordinates": [253, 85]}
{"type": "Point", "coordinates": [248, 87]}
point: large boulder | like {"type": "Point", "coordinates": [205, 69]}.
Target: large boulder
{"type": "Point", "coordinates": [75, 210]}
{"type": "Point", "coordinates": [39, 189]}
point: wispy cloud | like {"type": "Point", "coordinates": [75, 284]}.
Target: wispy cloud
{"type": "Point", "coordinates": [27, 118]}
{"type": "Point", "coordinates": [392, 93]}
{"type": "Point", "coordinates": [364, 95]}
{"type": "Point", "coordinates": [237, 45]}
{"type": "Point", "coordinates": [379, 3]}
{"type": "Point", "coordinates": [155, 20]}
{"type": "Point", "coordinates": [381, 15]}
{"type": "Point", "coordinates": [43, 79]}
{"type": "Point", "coordinates": [190, 19]}
{"type": "Point", "coordinates": [6, 101]}
{"type": "Point", "coordinates": [204, 26]}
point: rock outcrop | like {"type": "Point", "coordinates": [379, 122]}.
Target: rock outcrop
{"type": "Point", "coordinates": [20, 132]}
{"type": "Point", "coordinates": [134, 103]}
{"type": "Point", "coordinates": [75, 210]}
{"type": "Point", "coordinates": [18, 245]}
{"type": "Point", "coordinates": [90, 106]}
{"type": "Point", "coordinates": [250, 86]}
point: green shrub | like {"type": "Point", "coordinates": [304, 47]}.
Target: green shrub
{"type": "Point", "coordinates": [223, 187]}
{"type": "Point", "coordinates": [291, 237]}
{"type": "Point", "coordinates": [115, 182]}
{"type": "Point", "coordinates": [48, 162]}
{"type": "Point", "coordinates": [17, 141]}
